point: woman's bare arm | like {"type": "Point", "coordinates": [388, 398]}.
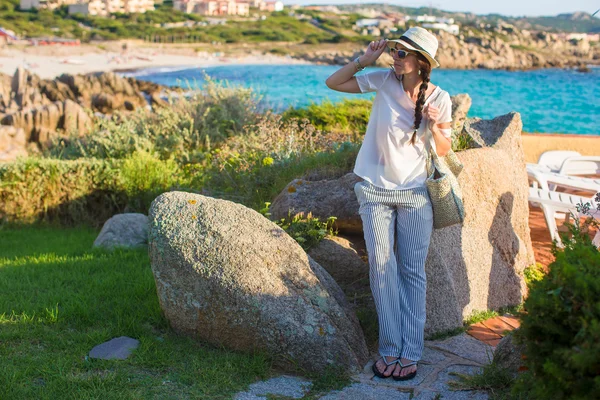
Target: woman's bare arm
{"type": "Point", "coordinates": [343, 79]}
{"type": "Point", "coordinates": [442, 143]}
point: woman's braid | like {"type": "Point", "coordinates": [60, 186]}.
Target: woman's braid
{"type": "Point", "coordinates": [425, 69]}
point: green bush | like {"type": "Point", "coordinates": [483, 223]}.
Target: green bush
{"type": "Point", "coordinates": [307, 230]}
{"type": "Point", "coordinates": [561, 326]}
{"type": "Point", "coordinates": [348, 116]}
{"type": "Point", "coordinates": [143, 176]}
{"type": "Point", "coordinates": [312, 39]}
{"type": "Point", "coordinates": [72, 192]}
{"type": "Point", "coordinates": [255, 167]}
{"type": "Point", "coordinates": [185, 132]}
{"type": "Point", "coordinates": [83, 191]}
{"type": "Point", "coordinates": [534, 273]}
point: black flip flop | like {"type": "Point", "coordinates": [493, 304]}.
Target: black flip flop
{"type": "Point", "coordinates": [408, 376]}
{"type": "Point", "coordinates": [379, 374]}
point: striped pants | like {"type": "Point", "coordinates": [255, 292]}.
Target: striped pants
{"type": "Point", "coordinates": [397, 225]}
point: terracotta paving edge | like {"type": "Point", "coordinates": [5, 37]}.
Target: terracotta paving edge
{"type": "Point", "coordinates": [490, 336]}
{"type": "Point", "coordinates": [512, 321]}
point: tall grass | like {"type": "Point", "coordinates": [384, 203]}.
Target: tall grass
{"type": "Point", "coordinates": [185, 131]}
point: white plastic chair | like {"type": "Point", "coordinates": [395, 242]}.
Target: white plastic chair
{"type": "Point", "coordinates": [565, 163]}
{"type": "Point", "coordinates": [552, 202]}
{"type": "Point", "coordinates": [544, 179]}
{"type": "Point", "coordinates": [580, 165]}
{"type": "Point", "coordinates": [554, 159]}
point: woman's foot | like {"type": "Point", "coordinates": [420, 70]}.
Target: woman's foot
{"type": "Point", "coordinates": [408, 370]}
{"type": "Point", "coordinates": [386, 366]}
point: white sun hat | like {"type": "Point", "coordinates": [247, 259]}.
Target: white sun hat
{"type": "Point", "coordinates": [420, 40]}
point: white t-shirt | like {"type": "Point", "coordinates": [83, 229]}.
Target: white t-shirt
{"type": "Point", "coordinates": [387, 158]}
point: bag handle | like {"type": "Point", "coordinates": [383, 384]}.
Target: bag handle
{"type": "Point", "coordinates": [429, 142]}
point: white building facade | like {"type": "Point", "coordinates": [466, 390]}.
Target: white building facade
{"type": "Point", "coordinates": [106, 7]}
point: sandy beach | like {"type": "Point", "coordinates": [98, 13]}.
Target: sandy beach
{"type": "Point", "coordinates": [51, 61]}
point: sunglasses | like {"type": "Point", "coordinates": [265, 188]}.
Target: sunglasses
{"type": "Point", "coordinates": [400, 53]}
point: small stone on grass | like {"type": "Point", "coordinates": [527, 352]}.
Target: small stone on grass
{"type": "Point", "coordinates": [115, 349]}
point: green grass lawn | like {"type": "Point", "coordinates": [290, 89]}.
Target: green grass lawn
{"type": "Point", "coordinates": [59, 298]}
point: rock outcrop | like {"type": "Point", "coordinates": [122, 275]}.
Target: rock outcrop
{"type": "Point", "coordinates": [42, 108]}
{"type": "Point", "coordinates": [479, 265]}
{"type": "Point", "coordinates": [339, 258]}
{"type": "Point", "coordinates": [461, 104]}
{"type": "Point", "coordinates": [228, 276]}
{"type": "Point", "coordinates": [42, 122]}
{"type": "Point", "coordinates": [323, 199]}
{"type": "Point", "coordinates": [12, 143]}
{"type": "Point", "coordinates": [498, 48]}
{"type": "Point", "coordinates": [105, 93]}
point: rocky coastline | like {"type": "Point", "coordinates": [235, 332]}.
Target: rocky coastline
{"type": "Point", "coordinates": [495, 50]}
{"type": "Point", "coordinates": [33, 111]}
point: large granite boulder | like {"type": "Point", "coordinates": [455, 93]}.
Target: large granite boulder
{"type": "Point", "coordinates": [474, 266]}
{"type": "Point", "coordinates": [124, 230]}
{"type": "Point", "coordinates": [340, 259]}
{"type": "Point", "coordinates": [479, 265]}
{"type": "Point", "coordinates": [229, 276]}
{"type": "Point", "coordinates": [323, 199]}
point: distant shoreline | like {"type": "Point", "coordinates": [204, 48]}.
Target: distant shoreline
{"type": "Point", "coordinates": [48, 66]}
{"type": "Point", "coordinates": [49, 62]}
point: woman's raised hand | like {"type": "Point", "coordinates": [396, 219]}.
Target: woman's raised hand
{"type": "Point", "coordinates": [432, 113]}
{"type": "Point", "coordinates": [374, 50]}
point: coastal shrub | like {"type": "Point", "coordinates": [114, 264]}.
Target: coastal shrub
{"type": "Point", "coordinates": [186, 131]}
{"type": "Point", "coordinates": [561, 326]}
{"type": "Point", "coordinates": [348, 116]}
{"type": "Point", "coordinates": [83, 191]}
{"type": "Point", "coordinates": [534, 273]}
{"type": "Point", "coordinates": [312, 39]}
{"type": "Point", "coordinates": [72, 192]}
{"type": "Point", "coordinates": [143, 176]}
{"type": "Point", "coordinates": [254, 167]}
{"type": "Point", "coordinates": [128, 171]}
{"type": "Point", "coordinates": [110, 138]}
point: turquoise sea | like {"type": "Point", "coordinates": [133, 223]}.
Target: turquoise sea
{"type": "Point", "coordinates": [550, 100]}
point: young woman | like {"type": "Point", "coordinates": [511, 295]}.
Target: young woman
{"type": "Point", "coordinates": [409, 115]}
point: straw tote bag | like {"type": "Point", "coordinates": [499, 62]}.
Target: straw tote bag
{"type": "Point", "coordinates": [442, 185]}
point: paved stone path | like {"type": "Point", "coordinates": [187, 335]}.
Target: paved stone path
{"type": "Point", "coordinates": [461, 354]}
